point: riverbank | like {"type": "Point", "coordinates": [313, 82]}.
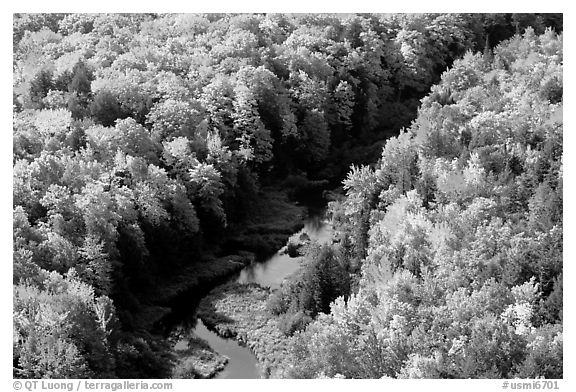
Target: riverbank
{"type": "Point", "coordinates": [204, 275]}
{"type": "Point", "coordinates": [239, 311]}
{"type": "Point", "coordinates": [271, 222]}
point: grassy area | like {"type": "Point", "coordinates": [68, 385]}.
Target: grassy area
{"type": "Point", "coordinates": [194, 358]}
{"type": "Point", "coordinates": [239, 311]}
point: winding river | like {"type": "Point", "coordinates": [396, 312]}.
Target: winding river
{"type": "Point", "coordinates": [241, 361]}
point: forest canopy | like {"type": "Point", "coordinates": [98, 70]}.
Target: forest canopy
{"type": "Point", "coordinates": [458, 233]}
{"type": "Point", "coordinates": [140, 141]}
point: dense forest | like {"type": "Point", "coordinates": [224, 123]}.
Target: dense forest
{"type": "Point", "coordinates": [454, 238]}
{"type": "Point", "coordinates": [143, 143]}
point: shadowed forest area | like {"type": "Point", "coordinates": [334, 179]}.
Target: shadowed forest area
{"type": "Point", "coordinates": [155, 154]}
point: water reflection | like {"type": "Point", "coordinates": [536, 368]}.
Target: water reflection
{"type": "Point", "coordinates": [273, 271]}
{"type": "Point", "coordinates": [319, 229]}
{"type": "Point", "coordinates": [270, 273]}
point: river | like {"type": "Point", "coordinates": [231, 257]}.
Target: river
{"type": "Point", "coordinates": [241, 361]}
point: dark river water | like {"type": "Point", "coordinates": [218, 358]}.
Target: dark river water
{"type": "Point", "coordinates": [241, 361]}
